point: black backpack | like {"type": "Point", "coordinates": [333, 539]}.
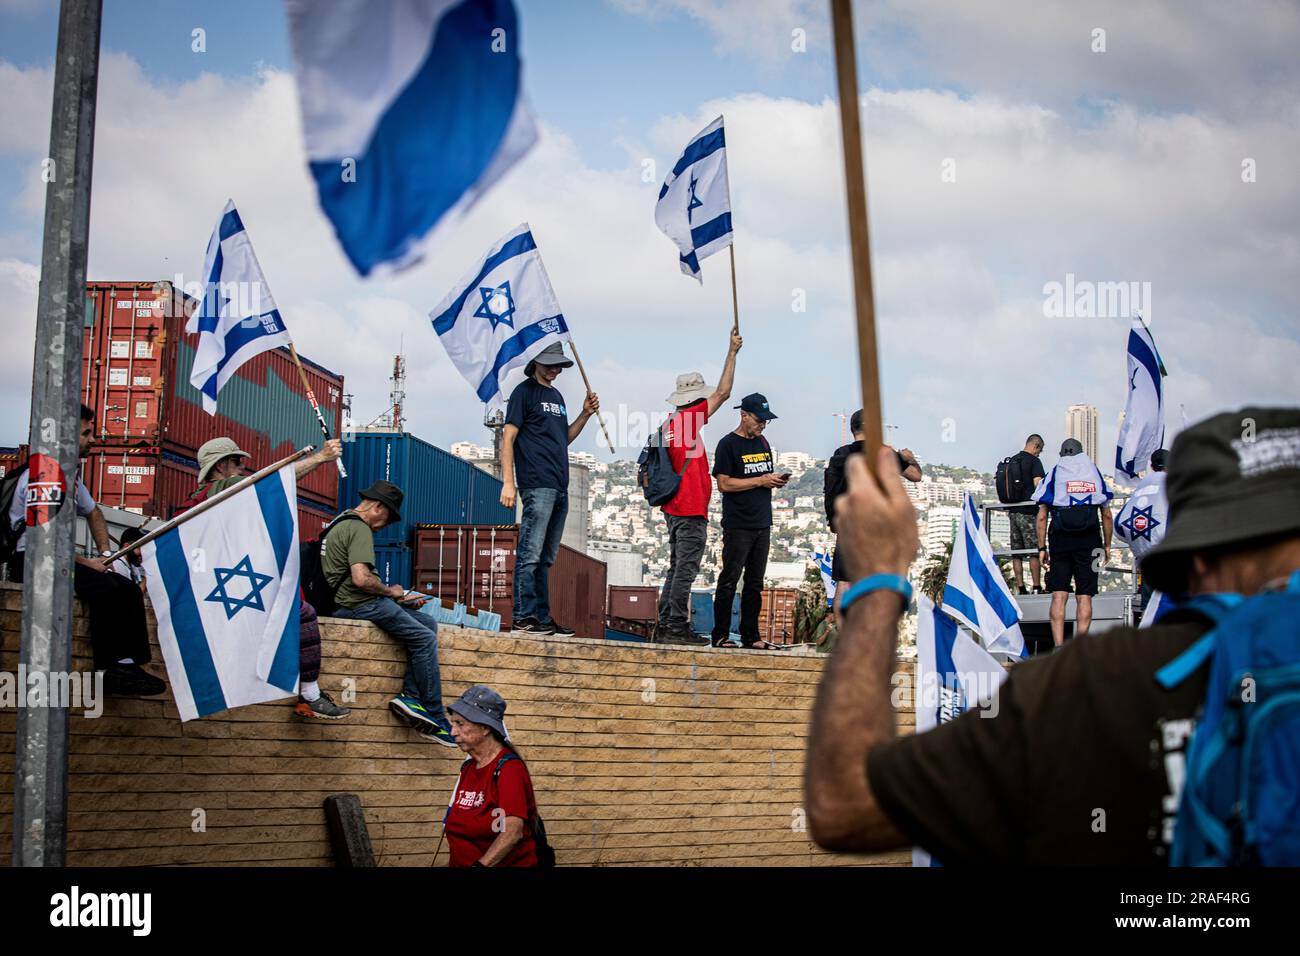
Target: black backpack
{"type": "Point", "coordinates": [545, 852]}
{"type": "Point", "coordinates": [654, 471]}
{"type": "Point", "coordinates": [1075, 518]}
{"type": "Point", "coordinates": [9, 534]}
{"type": "Point", "coordinates": [318, 590]}
{"type": "Point", "coordinates": [1010, 481]}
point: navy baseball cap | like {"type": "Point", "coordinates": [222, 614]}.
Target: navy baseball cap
{"type": "Point", "coordinates": [756, 405]}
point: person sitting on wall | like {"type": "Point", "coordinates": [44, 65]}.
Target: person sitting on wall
{"type": "Point", "coordinates": [221, 465]}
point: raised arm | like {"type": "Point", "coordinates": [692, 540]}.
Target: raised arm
{"type": "Point", "coordinates": [590, 406]}
{"type": "Point", "coordinates": [723, 391]}
{"type": "Point", "coordinates": [330, 451]}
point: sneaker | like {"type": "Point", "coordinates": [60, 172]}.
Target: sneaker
{"type": "Point", "coordinates": [680, 635]}
{"type": "Point", "coordinates": [439, 731]}
{"type": "Point", "coordinates": [1024, 590]}
{"type": "Point", "coordinates": [524, 625]}
{"type": "Point", "coordinates": [131, 680]}
{"type": "Point", "coordinates": [322, 707]}
{"type": "Point", "coordinates": [532, 628]}
{"type": "Point", "coordinates": [559, 630]}
{"type": "Point", "coordinates": [412, 711]}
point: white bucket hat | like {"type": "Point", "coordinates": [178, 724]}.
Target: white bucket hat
{"type": "Point", "coordinates": [691, 387]}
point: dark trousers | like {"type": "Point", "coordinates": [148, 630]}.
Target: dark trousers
{"type": "Point", "coordinates": [743, 550]}
{"type": "Point", "coordinates": [686, 537]}
{"type": "Point", "coordinates": [308, 643]}
{"type": "Point", "coordinates": [116, 610]}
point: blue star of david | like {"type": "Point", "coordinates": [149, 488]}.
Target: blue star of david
{"type": "Point", "coordinates": [256, 582]}
{"type": "Point", "coordinates": [694, 202]}
{"type": "Point", "coordinates": [506, 315]}
{"type": "Point", "coordinates": [1129, 524]}
{"type": "Point", "coordinates": [1079, 500]}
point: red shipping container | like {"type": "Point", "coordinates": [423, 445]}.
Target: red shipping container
{"type": "Point", "coordinates": [475, 564]}
{"type": "Point", "coordinates": [11, 458]}
{"type": "Point", "coordinates": [135, 374]}
{"type": "Point", "coordinates": [776, 615]}
{"type": "Point", "coordinates": [634, 603]}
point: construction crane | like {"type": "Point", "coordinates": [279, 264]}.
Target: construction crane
{"type": "Point", "coordinates": [844, 426]}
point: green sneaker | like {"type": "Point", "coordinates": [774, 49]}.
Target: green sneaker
{"type": "Point", "coordinates": [439, 733]}
{"type": "Point", "coordinates": [412, 711]}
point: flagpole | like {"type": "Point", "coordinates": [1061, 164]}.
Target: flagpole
{"type": "Point", "coordinates": [846, 71]}
{"type": "Point", "coordinates": [735, 306]}
{"type": "Point", "coordinates": [207, 503]}
{"type": "Point", "coordinates": [586, 382]}
{"type": "Point", "coordinates": [311, 397]}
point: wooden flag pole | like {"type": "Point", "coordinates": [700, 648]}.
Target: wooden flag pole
{"type": "Point", "coordinates": [311, 397]}
{"type": "Point", "coordinates": [207, 503]}
{"type": "Point", "coordinates": [735, 305]}
{"type": "Point", "coordinates": [846, 72]}
{"type": "Point", "coordinates": [587, 383]}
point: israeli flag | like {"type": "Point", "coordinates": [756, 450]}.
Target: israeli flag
{"type": "Point", "coordinates": [224, 587]}
{"type": "Point", "coordinates": [1073, 480]}
{"type": "Point", "coordinates": [500, 315]}
{"type": "Point", "coordinates": [976, 593]}
{"type": "Point", "coordinates": [1142, 522]}
{"type": "Point", "coordinates": [694, 208]}
{"type": "Point", "coordinates": [825, 564]}
{"type": "Point", "coordinates": [1143, 428]}
{"type": "Point", "coordinates": [1157, 607]}
{"type": "Point", "coordinates": [953, 675]}
{"type": "Point", "coordinates": [411, 110]}
{"type": "Point", "coordinates": [237, 317]}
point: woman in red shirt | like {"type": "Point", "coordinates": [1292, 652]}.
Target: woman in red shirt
{"type": "Point", "coordinates": [487, 822]}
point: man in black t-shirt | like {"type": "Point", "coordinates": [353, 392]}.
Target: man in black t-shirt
{"type": "Point", "coordinates": [535, 461]}
{"type": "Point", "coordinates": [746, 476]}
{"type": "Point", "coordinates": [1027, 465]}
{"type": "Point", "coordinates": [834, 485]}
{"type": "Point", "coordinates": [1082, 760]}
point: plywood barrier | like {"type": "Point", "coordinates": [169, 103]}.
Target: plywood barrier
{"type": "Point", "coordinates": [641, 755]}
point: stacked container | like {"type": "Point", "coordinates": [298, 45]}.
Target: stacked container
{"type": "Point", "coordinates": [475, 565]}
{"type": "Point", "coordinates": [150, 422]}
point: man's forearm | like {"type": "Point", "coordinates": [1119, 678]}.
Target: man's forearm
{"type": "Point", "coordinates": [853, 713]}
{"type": "Point", "coordinates": [728, 378]}
{"type": "Point", "coordinates": [99, 530]}
{"type": "Point", "coordinates": [307, 465]}
{"type": "Point", "coordinates": [371, 584]}
{"type": "Point", "coordinates": [578, 425]}
{"type": "Point", "coordinates": [508, 459]}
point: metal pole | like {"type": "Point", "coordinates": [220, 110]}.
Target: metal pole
{"type": "Point", "coordinates": [41, 760]}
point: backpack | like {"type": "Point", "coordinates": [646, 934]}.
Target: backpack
{"type": "Point", "coordinates": [545, 852]}
{"type": "Point", "coordinates": [1010, 481]}
{"type": "Point", "coordinates": [654, 471]}
{"type": "Point", "coordinates": [9, 534]}
{"type": "Point", "coordinates": [1240, 805]}
{"type": "Point", "coordinates": [196, 496]}
{"type": "Point", "coordinates": [317, 589]}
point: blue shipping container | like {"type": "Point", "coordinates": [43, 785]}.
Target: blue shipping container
{"type": "Point", "coordinates": [439, 487]}
{"type": "Point", "coordinates": [702, 612]}
{"type": "Point", "coordinates": [393, 564]}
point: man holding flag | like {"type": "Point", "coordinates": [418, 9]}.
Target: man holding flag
{"type": "Point", "coordinates": [1077, 547]}
{"type": "Point", "coordinates": [694, 208]}
{"type": "Point", "coordinates": [503, 316]}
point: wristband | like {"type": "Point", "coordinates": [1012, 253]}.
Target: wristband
{"type": "Point", "coordinates": [877, 582]}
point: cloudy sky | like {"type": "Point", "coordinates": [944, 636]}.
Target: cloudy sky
{"type": "Point", "coordinates": [1008, 146]}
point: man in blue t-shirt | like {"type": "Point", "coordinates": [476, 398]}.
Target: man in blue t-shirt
{"type": "Point", "coordinates": [535, 460]}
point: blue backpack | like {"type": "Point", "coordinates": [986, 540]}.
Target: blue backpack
{"type": "Point", "coordinates": [655, 475]}
{"type": "Point", "coordinates": [1240, 804]}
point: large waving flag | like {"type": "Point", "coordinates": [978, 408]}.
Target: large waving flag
{"type": "Point", "coordinates": [1142, 522]}
{"type": "Point", "coordinates": [1073, 480]}
{"type": "Point", "coordinates": [976, 593]}
{"type": "Point", "coordinates": [224, 587]}
{"type": "Point", "coordinates": [500, 315]}
{"type": "Point", "coordinates": [411, 110]}
{"type": "Point", "coordinates": [825, 565]}
{"type": "Point", "coordinates": [953, 675]}
{"type": "Point", "coordinates": [237, 317]}
{"type": "Point", "coordinates": [694, 208]}
{"type": "Point", "coordinates": [1143, 429]}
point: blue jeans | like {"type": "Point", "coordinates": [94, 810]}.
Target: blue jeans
{"type": "Point", "coordinates": [420, 635]}
{"type": "Point", "coordinates": [540, 531]}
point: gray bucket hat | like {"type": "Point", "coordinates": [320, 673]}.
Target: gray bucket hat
{"type": "Point", "coordinates": [553, 354]}
{"type": "Point", "coordinates": [482, 705]}
{"type": "Point", "coordinates": [1232, 478]}
{"type": "Point", "coordinates": [211, 452]}
{"type": "Point", "coordinates": [691, 387]}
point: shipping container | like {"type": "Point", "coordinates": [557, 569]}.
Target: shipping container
{"type": "Point", "coordinates": [613, 634]}
{"type": "Point", "coordinates": [634, 603]}
{"type": "Point", "coordinates": [702, 612]}
{"type": "Point", "coordinates": [153, 483]}
{"type": "Point", "coordinates": [11, 458]}
{"type": "Point", "coordinates": [776, 617]}
{"type": "Point", "coordinates": [643, 630]}
{"type": "Point", "coordinates": [136, 375]}
{"type": "Point", "coordinates": [439, 488]}
{"type": "Point", "coordinates": [475, 564]}
{"type": "Point", "coordinates": [393, 564]}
